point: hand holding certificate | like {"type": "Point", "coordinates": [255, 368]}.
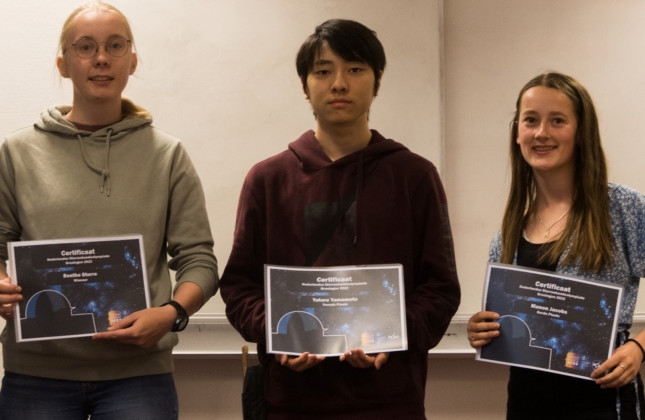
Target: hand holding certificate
{"type": "Point", "coordinates": [549, 321]}
{"type": "Point", "coordinates": [76, 287]}
{"type": "Point", "coordinates": [330, 311]}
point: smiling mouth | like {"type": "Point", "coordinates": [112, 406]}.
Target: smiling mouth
{"type": "Point", "coordinates": [544, 148]}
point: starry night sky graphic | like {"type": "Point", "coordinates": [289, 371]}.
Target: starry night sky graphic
{"type": "Point", "coordinates": [118, 285]}
{"type": "Point", "coordinates": [586, 329]}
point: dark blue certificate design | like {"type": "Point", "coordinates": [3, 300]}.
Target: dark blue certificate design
{"type": "Point", "coordinates": [549, 321]}
{"type": "Point", "coordinates": [76, 287]}
{"type": "Point", "coordinates": [331, 310]}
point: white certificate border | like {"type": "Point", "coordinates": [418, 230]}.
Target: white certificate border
{"type": "Point", "coordinates": [12, 269]}
{"type": "Point", "coordinates": [546, 273]}
{"type": "Point", "coordinates": [267, 293]}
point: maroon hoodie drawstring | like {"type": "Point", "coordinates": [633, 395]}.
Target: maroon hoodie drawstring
{"type": "Point", "coordinates": [359, 191]}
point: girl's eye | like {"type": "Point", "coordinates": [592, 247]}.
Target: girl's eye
{"type": "Point", "coordinates": [85, 46]}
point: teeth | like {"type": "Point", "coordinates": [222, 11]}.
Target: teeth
{"type": "Point", "coordinates": [101, 78]}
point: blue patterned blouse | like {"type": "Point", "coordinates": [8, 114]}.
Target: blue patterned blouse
{"type": "Point", "coordinates": [627, 213]}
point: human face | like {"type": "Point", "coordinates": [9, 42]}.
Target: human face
{"type": "Point", "coordinates": [547, 130]}
{"type": "Point", "coordinates": [103, 77]}
{"type": "Point", "coordinates": [340, 92]}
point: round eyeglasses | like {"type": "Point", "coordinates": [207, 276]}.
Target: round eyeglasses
{"type": "Point", "coordinates": [116, 46]}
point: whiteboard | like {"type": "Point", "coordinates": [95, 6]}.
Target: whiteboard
{"type": "Point", "coordinates": [220, 75]}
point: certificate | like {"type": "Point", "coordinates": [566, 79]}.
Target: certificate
{"type": "Point", "coordinates": [331, 310]}
{"type": "Point", "coordinates": [76, 287]}
{"type": "Point", "coordinates": [549, 321]}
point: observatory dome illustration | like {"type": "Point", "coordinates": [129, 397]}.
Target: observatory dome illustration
{"type": "Point", "coordinates": [49, 314]}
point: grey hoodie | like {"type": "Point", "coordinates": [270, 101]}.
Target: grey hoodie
{"type": "Point", "coordinates": [128, 178]}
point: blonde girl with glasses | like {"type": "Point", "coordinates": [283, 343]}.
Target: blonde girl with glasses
{"type": "Point", "coordinates": [93, 169]}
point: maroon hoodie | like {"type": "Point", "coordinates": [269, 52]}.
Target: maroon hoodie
{"type": "Point", "coordinates": [380, 205]}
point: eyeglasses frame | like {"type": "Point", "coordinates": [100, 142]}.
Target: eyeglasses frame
{"type": "Point", "coordinates": [98, 44]}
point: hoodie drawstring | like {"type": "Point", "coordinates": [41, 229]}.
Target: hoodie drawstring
{"type": "Point", "coordinates": [106, 184]}
{"type": "Point", "coordinates": [359, 190]}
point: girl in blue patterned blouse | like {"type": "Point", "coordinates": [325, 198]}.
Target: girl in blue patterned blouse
{"type": "Point", "coordinates": [563, 215]}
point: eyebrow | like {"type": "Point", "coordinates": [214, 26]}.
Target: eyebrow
{"type": "Point", "coordinates": [533, 111]}
{"type": "Point", "coordinates": [109, 36]}
{"type": "Point", "coordinates": [322, 62]}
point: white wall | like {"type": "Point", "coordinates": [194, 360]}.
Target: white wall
{"type": "Point", "coordinates": [457, 389]}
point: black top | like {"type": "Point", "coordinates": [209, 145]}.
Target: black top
{"type": "Point", "coordinates": [528, 254]}
{"type": "Point", "coordinates": [535, 394]}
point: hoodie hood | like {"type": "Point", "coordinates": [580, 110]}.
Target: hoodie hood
{"type": "Point", "coordinates": [311, 156]}
{"type": "Point", "coordinates": [53, 120]}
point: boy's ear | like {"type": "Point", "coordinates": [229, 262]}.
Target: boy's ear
{"type": "Point", "coordinates": [303, 80]}
{"type": "Point", "coordinates": [377, 85]}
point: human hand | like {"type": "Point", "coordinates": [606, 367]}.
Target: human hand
{"type": "Point", "coordinates": [359, 359]}
{"type": "Point", "coordinates": [299, 363]}
{"type": "Point", "coordinates": [620, 368]}
{"type": "Point", "coordinates": [9, 295]}
{"type": "Point", "coordinates": [482, 328]}
{"type": "Point", "coordinates": [143, 328]}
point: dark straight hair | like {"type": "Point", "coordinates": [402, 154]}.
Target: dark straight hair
{"type": "Point", "coordinates": [351, 40]}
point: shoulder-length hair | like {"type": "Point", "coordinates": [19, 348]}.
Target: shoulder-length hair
{"type": "Point", "coordinates": [588, 226]}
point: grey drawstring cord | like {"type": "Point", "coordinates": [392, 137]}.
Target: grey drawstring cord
{"type": "Point", "coordinates": [106, 184]}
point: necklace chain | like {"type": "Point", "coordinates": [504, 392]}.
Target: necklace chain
{"type": "Point", "coordinates": [547, 235]}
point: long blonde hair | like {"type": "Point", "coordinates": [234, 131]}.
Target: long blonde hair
{"type": "Point", "coordinates": [588, 226]}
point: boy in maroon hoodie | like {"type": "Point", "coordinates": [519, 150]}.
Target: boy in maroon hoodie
{"type": "Point", "coordinates": [344, 195]}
